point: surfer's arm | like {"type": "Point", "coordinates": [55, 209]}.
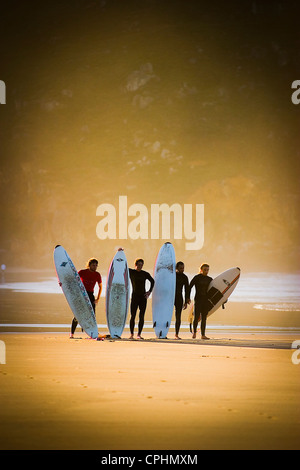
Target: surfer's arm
{"type": "Point", "coordinates": [187, 291]}
{"type": "Point", "coordinates": [192, 284]}
{"type": "Point", "coordinates": [99, 292]}
{"type": "Point", "coordinates": [152, 282]}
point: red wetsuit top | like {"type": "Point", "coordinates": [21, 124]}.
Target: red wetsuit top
{"type": "Point", "coordinates": [89, 279]}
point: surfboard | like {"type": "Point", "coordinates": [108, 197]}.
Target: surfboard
{"type": "Point", "coordinates": [75, 292]}
{"type": "Point", "coordinates": [220, 289]}
{"type": "Point", "coordinates": [117, 294]}
{"type": "Point", "coordinates": [190, 312]}
{"type": "Point", "coordinates": [164, 290]}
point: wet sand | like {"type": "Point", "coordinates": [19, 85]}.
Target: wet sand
{"type": "Point", "coordinates": [238, 391]}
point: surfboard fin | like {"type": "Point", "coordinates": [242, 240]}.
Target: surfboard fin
{"type": "Point", "coordinates": [160, 334]}
{"type": "Point", "coordinates": [167, 324]}
{"type": "Point", "coordinates": [154, 324]}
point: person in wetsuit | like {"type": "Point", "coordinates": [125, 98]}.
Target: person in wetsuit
{"type": "Point", "coordinates": [139, 296]}
{"type": "Point", "coordinates": [181, 282]}
{"type": "Point", "coordinates": [90, 277]}
{"type": "Point", "coordinates": [201, 282]}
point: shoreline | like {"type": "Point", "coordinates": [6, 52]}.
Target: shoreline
{"type": "Point", "coordinates": [215, 335]}
{"type": "Point", "coordinates": [211, 329]}
{"type": "Point", "coordinates": [254, 339]}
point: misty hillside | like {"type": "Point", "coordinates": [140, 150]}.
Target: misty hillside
{"type": "Point", "coordinates": [175, 102]}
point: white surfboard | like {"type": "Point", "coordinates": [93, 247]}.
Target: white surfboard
{"type": "Point", "coordinates": [117, 294]}
{"type": "Point", "coordinates": [164, 290]}
{"type": "Point", "coordinates": [219, 290]}
{"type": "Point", "coordinates": [75, 292]}
{"type": "Point", "coordinates": [221, 287]}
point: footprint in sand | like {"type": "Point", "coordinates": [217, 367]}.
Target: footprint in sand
{"type": "Point", "coordinates": [266, 416]}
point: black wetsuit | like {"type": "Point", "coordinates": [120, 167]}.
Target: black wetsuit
{"type": "Point", "coordinates": [181, 281]}
{"type": "Point", "coordinates": [201, 284]}
{"type": "Point", "coordinates": [138, 299]}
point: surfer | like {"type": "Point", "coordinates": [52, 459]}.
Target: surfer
{"type": "Point", "coordinates": [181, 281]}
{"type": "Point", "coordinates": [201, 282]}
{"type": "Point", "coordinates": [139, 296]}
{"type": "Point", "coordinates": [90, 277]}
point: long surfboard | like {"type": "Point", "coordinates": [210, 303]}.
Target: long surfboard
{"type": "Point", "coordinates": [220, 289]}
{"type": "Point", "coordinates": [117, 294]}
{"type": "Point", "coordinates": [164, 290]}
{"type": "Point", "coordinates": [75, 292]}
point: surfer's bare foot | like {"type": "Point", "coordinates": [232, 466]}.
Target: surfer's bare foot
{"type": "Point", "coordinates": [139, 337]}
{"type": "Point", "coordinates": [177, 337]}
{"type": "Point", "coordinates": [194, 336]}
{"type": "Point", "coordinates": [204, 337]}
{"type": "Point", "coordinates": [71, 336]}
{"type": "Point", "coordinates": [131, 337]}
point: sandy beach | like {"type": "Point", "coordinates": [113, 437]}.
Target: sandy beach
{"type": "Point", "coordinates": [238, 391]}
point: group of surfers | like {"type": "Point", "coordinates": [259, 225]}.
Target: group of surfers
{"type": "Point", "coordinates": [90, 277]}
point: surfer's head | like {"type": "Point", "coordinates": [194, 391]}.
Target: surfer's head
{"type": "Point", "coordinates": [204, 269]}
{"type": "Point", "coordinates": [180, 267]}
{"type": "Point", "coordinates": [92, 264]}
{"type": "Point", "coordinates": [139, 263]}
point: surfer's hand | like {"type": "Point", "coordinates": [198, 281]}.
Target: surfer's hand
{"type": "Point", "coordinates": [60, 284]}
{"type": "Point", "coordinates": [147, 295]}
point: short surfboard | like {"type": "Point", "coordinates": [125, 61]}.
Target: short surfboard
{"type": "Point", "coordinates": [220, 289]}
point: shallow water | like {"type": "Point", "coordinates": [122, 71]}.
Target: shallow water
{"type": "Point", "coordinates": [32, 300]}
{"type": "Point", "coordinates": [268, 291]}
